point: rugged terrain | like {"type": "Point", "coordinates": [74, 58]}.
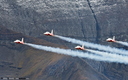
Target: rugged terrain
{"type": "Point", "coordinates": [90, 20]}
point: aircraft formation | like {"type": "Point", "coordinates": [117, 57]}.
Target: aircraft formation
{"type": "Point", "coordinates": [108, 53]}
{"type": "Point", "coordinates": [77, 47]}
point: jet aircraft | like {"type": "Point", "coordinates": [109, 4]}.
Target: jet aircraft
{"type": "Point", "coordinates": [80, 48]}
{"type": "Point", "coordinates": [111, 40]}
{"type": "Point", "coordinates": [19, 42]}
{"type": "Point", "coordinates": [49, 34]}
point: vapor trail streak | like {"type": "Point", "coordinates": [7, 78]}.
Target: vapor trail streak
{"type": "Point", "coordinates": [123, 43]}
{"type": "Point", "coordinates": [76, 53]}
{"type": "Point", "coordinates": [92, 45]}
{"type": "Point", "coordinates": [106, 54]}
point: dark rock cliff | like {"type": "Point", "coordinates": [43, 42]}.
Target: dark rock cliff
{"type": "Point", "coordinates": [88, 20]}
{"type": "Point", "coordinates": [68, 18]}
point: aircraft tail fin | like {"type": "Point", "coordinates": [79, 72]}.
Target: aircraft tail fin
{"type": "Point", "coordinates": [82, 46]}
{"type": "Point", "coordinates": [113, 37]}
{"type": "Point", "coordinates": [52, 32]}
{"type": "Point", "coordinates": [22, 40]}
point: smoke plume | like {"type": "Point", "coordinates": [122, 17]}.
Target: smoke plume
{"type": "Point", "coordinates": [77, 53]}
{"type": "Point", "coordinates": [96, 46]}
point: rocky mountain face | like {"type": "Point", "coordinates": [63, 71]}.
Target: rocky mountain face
{"type": "Point", "coordinates": [85, 19]}
{"type": "Point", "coordinates": [90, 20]}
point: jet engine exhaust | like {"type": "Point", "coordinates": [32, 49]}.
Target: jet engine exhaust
{"type": "Point", "coordinates": [96, 46]}
{"type": "Point", "coordinates": [77, 53]}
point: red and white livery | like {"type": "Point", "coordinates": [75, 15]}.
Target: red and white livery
{"type": "Point", "coordinates": [19, 42]}
{"type": "Point", "coordinates": [111, 40]}
{"type": "Point", "coordinates": [49, 34]}
{"type": "Point", "coordinates": [80, 48]}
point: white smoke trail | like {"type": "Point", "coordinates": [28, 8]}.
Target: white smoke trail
{"type": "Point", "coordinates": [92, 45]}
{"type": "Point", "coordinates": [123, 43]}
{"type": "Point", "coordinates": [76, 53]}
{"type": "Point", "coordinates": [105, 54]}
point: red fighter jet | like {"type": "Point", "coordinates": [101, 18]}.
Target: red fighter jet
{"type": "Point", "coordinates": [80, 48]}
{"type": "Point", "coordinates": [19, 42]}
{"type": "Point", "coordinates": [49, 34]}
{"type": "Point", "coordinates": [111, 40]}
